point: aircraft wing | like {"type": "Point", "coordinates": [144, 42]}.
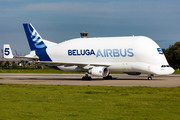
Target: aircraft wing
{"type": "Point", "coordinates": [68, 64]}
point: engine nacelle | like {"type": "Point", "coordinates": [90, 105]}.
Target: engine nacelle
{"type": "Point", "coordinates": [99, 71]}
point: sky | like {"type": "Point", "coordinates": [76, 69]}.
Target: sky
{"type": "Point", "coordinates": [61, 20]}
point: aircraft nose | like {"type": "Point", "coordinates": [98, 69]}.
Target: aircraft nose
{"type": "Point", "coordinates": [171, 70]}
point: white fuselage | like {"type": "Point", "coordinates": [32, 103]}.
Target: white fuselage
{"type": "Point", "coordinates": [121, 54]}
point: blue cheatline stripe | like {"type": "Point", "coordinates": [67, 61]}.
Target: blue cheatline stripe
{"type": "Point", "coordinates": [42, 54]}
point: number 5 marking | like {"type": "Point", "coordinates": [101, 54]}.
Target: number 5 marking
{"type": "Point", "coordinates": [7, 51]}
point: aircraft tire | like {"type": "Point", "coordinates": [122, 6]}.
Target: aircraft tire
{"type": "Point", "coordinates": [108, 77]}
{"type": "Point", "coordinates": [86, 78]}
{"type": "Point", "coordinates": [149, 78]}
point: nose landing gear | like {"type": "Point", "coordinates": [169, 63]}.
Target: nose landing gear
{"type": "Point", "coordinates": [150, 76]}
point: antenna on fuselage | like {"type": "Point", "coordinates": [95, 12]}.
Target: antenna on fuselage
{"type": "Point", "coordinates": [84, 35]}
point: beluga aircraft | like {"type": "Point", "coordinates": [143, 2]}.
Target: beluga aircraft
{"type": "Point", "coordinates": [100, 56]}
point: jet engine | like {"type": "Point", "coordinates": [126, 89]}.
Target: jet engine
{"type": "Point", "coordinates": [99, 71]}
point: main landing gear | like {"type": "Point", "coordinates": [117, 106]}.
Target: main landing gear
{"type": "Point", "coordinates": [150, 77]}
{"type": "Point", "coordinates": [86, 77]}
{"type": "Point", "coordinates": [107, 77]}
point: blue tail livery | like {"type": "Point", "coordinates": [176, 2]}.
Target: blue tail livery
{"type": "Point", "coordinates": [34, 39]}
{"type": "Point", "coordinates": [36, 42]}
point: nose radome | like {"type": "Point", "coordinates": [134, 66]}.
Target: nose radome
{"type": "Point", "coordinates": [171, 70]}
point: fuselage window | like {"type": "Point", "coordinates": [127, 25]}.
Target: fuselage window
{"type": "Point", "coordinates": [165, 66]}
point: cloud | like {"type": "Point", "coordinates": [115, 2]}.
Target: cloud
{"type": "Point", "coordinates": [156, 19]}
{"type": "Point", "coordinates": [5, 0]}
{"type": "Point", "coordinates": [109, 9]}
{"type": "Point", "coordinates": [120, 9]}
{"type": "Point", "coordinates": [71, 7]}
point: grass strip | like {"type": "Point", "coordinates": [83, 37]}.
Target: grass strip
{"type": "Point", "coordinates": [88, 102]}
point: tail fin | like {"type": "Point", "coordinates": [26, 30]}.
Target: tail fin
{"type": "Point", "coordinates": [36, 42]}
{"type": "Point", "coordinates": [7, 51]}
{"type": "Point", "coordinates": [2, 52]}
{"type": "Point", "coordinates": [34, 39]}
{"type": "Point", "coordinates": [16, 53]}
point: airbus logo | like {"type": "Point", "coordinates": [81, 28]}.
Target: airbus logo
{"type": "Point", "coordinates": [102, 52]}
{"type": "Point", "coordinates": [115, 53]}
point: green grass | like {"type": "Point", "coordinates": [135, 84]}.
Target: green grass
{"type": "Point", "coordinates": [177, 72]}
{"type": "Point", "coordinates": [34, 102]}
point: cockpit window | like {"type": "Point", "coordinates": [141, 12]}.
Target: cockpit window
{"type": "Point", "coordinates": [165, 66]}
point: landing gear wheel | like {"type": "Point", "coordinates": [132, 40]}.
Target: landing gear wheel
{"type": "Point", "coordinates": [149, 77]}
{"type": "Point", "coordinates": [86, 77]}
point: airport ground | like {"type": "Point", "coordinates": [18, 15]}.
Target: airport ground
{"type": "Point", "coordinates": [66, 96]}
{"type": "Point", "coordinates": [76, 79]}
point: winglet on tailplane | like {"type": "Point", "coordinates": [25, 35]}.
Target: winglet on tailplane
{"type": "Point", "coordinates": [37, 43]}
{"type": "Point", "coordinates": [7, 51]}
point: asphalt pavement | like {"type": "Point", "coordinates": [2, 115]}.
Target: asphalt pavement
{"type": "Point", "coordinates": [76, 79]}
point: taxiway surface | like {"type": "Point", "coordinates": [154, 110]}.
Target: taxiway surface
{"type": "Point", "coordinates": [75, 79]}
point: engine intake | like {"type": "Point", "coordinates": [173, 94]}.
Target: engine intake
{"type": "Point", "coordinates": [99, 71]}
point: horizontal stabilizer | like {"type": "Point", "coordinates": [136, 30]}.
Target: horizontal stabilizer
{"type": "Point", "coordinates": [31, 56]}
{"type": "Point", "coordinates": [28, 58]}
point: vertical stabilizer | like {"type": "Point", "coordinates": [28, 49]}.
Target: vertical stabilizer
{"type": "Point", "coordinates": [2, 53]}
{"type": "Point", "coordinates": [34, 39]}
{"type": "Point", "coordinates": [7, 51]}
{"type": "Point", "coordinates": [36, 42]}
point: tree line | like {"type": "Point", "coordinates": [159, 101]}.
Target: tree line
{"type": "Point", "coordinates": [18, 65]}
{"type": "Point", "coordinates": [173, 55]}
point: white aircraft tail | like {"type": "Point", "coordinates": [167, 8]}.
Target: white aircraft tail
{"type": "Point", "coordinates": [7, 51]}
{"type": "Point", "coordinates": [37, 43]}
